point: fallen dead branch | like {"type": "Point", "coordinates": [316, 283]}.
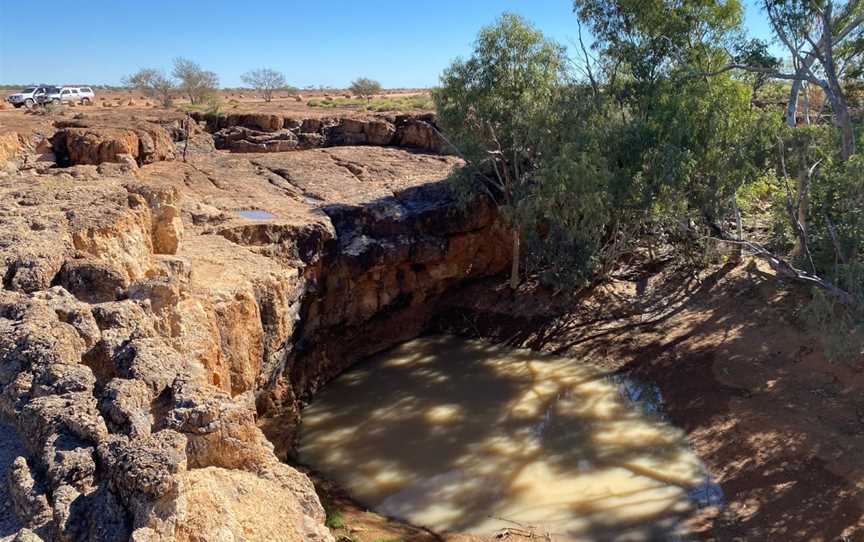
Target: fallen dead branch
{"type": "Point", "coordinates": [783, 268]}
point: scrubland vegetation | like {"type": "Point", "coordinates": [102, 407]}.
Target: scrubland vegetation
{"type": "Point", "coordinates": [379, 104]}
{"type": "Point", "coordinates": [673, 131]}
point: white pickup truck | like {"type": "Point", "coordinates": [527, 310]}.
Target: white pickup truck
{"type": "Point", "coordinates": [28, 97]}
{"type": "Point", "coordinates": [56, 95]}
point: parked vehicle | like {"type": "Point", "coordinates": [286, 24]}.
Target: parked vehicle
{"type": "Point", "coordinates": [68, 94]}
{"type": "Point", "coordinates": [28, 97]}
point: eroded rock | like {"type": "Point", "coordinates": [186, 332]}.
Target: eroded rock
{"type": "Point", "coordinates": [153, 320]}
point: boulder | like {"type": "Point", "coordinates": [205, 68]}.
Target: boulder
{"type": "Point", "coordinates": [417, 133]}
{"type": "Point", "coordinates": [82, 142]}
{"type": "Point", "coordinates": [94, 145]}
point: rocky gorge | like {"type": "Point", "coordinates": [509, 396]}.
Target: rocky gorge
{"type": "Point", "coordinates": [167, 307]}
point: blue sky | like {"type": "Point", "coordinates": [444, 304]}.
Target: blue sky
{"type": "Point", "coordinates": [401, 43]}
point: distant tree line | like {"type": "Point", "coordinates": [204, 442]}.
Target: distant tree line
{"type": "Point", "coordinates": [197, 84]}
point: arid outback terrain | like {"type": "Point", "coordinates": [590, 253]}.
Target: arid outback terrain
{"type": "Point", "coordinates": [163, 320]}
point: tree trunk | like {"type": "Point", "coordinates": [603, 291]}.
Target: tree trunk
{"type": "Point", "coordinates": [843, 120]}
{"type": "Point", "coordinates": [846, 130]}
{"type": "Point", "coordinates": [834, 89]}
{"type": "Point", "coordinates": [803, 208]}
{"type": "Point", "coordinates": [739, 226]}
{"type": "Point", "coordinates": [514, 269]}
{"type": "Point", "coordinates": [792, 106]}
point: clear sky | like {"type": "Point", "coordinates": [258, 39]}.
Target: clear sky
{"type": "Point", "coordinates": [404, 43]}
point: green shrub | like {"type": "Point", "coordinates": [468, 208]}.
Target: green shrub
{"type": "Point", "coordinates": [333, 518]}
{"type": "Point", "coordinates": [364, 87]}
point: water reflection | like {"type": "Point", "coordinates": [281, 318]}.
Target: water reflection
{"type": "Point", "coordinates": [460, 435]}
{"type": "Point", "coordinates": [255, 214]}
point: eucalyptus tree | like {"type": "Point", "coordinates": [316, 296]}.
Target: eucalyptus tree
{"type": "Point", "coordinates": [697, 138]}
{"type": "Point", "coordinates": [821, 36]}
{"type": "Point", "coordinates": [496, 109]}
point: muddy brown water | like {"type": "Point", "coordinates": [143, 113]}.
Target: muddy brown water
{"type": "Point", "coordinates": [460, 435]}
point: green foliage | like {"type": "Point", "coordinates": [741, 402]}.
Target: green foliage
{"type": "Point", "coordinates": [841, 328]}
{"type": "Point", "coordinates": [364, 87]}
{"type": "Point", "coordinates": [580, 172]}
{"type": "Point", "coordinates": [499, 100]}
{"type": "Point", "coordinates": [758, 196]}
{"type": "Point", "coordinates": [837, 203]}
{"type": "Point", "coordinates": [586, 197]}
{"type": "Point", "coordinates": [645, 40]}
{"type": "Point", "coordinates": [333, 518]}
{"type": "Point", "coordinates": [696, 139]}
{"type": "Point", "coordinates": [653, 144]}
{"type": "Point", "coordinates": [498, 109]}
{"type": "Point", "coordinates": [755, 52]}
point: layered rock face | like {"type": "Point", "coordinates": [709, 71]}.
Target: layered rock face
{"type": "Point", "coordinates": [153, 321]}
{"type": "Point", "coordinates": [275, 133]}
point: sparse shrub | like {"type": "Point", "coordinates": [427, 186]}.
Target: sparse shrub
{"type": "Point", "coordinates": [49, 108]}
{"type": "Point", "coordinates": [840, 328]}
{"type": "Point", "coordinates": [213, 103]}
{"type": "Point", "coordinates": [364, 87]}
{"type": "Point", "coordinates": [194, 81]}
{"type": "Point", "coordinates": [153, 83]}
{"type": "Point", "coordinates": [756, 196]}
{"type": "Point", "coordinates": [266, 81]}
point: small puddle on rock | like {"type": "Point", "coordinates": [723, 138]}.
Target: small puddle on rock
{"type": "Point", "coordinates": [460, 435]}
{"type": "Point", "coordinates": [255, 214]}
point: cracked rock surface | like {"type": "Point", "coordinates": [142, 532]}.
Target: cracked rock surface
{"type": "Point", "coordinates": [162, 322]}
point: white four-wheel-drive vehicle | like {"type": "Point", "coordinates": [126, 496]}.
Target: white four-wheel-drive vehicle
{"type": "Point", "coordinates": [56, 95]}
{"type": "Point", "coordinates": [28, 97]}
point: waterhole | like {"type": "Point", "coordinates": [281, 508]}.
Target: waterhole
{"type": "Point", "coordinates": [255, 214]}
{"type": "Point", "coordinates": [459, 435]}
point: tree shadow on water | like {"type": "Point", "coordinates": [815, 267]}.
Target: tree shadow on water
{"type": "Point", "coordinates": [451, 434]}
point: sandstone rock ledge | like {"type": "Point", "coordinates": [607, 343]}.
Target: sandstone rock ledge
{"type": "Point", "coordinates": [151, 325]}
{"type": "Point", "coordinates": [274, 133]}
